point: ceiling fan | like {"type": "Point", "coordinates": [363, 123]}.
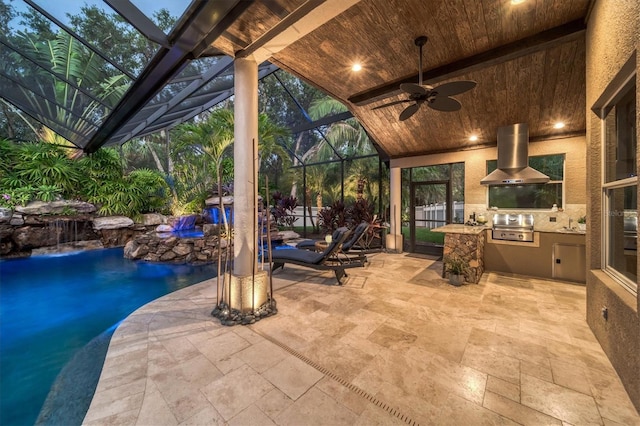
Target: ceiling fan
{"type": "Point", "coordinates": [435, 97]}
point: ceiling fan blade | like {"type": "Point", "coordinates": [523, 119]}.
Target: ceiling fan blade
{"type": "Point", "coordinates": [442, 103]}
{"type": "Point", "coordinates": [409, 111]}
{"type": "Point", "coordinates": [413, 89]}
{"type": "Point", "coordinates": [391, 103]}
{"type": "Point", "coordinates": [454, 87]}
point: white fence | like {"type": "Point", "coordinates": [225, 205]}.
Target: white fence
{"type": "Point", "coordinates": [434, 215]}
{"type": "Point", "coordinates": [427, 216]}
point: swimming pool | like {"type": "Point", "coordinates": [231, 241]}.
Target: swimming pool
{"type": "Point", "coordinates": [52, 306]}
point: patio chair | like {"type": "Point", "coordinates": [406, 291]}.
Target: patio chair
{"type": "Point", "coordinates": [330, 259]}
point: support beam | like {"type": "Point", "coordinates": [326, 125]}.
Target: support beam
{"type": "Point", "coordinates": [508, 52]}
{"type": "Point", "coordinates": [321, 122]}
{"type": "Point", "coordinates": [245, 158]}
{"type": "Point", "coordinates": [394, 238]}
{"type": "Point", "coordinates": [306, 18]}
{"type": "Point", "coordinates": [189, 42]}
{"type": "Point", "coordinates": [139, 20]}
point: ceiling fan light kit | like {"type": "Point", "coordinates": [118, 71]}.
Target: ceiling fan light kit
{"type": "Point", "coordinates": [437, 98]}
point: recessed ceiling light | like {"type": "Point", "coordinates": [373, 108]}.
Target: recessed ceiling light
{"type": "Point", "coordinates": [473, 138]}
{"type": "Point", "coordinates": [558, 125]}
{"type": "Point", "coordinates": [517, 1]}
{"type": "Point", "coordinates": [356, 67]}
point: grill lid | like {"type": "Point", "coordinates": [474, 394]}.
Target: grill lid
{"type": "Point", "coordinates": [513, 221]}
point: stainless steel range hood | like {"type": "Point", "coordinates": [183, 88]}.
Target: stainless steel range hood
{"type": "Point", "coordinates": [513, 159]}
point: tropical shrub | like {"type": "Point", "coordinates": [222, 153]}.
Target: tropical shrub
{"type": "Point", "coordinates": [360, 211]}
{"type": "Point", "coordinates": [332, 217]}
{"type": "Point", "coordinates": [283, 209]}
{"type": "Point", "coordinates": [153, 187]}
{"type": "Point", "coordinates": [47, 193]}
{"type": "Point", "coordinates": [337, 215]}
{"type": "Point", "coordinates": [141, 191]}
{"type": "Point", "coordinates": [22, 196]}
{"type": "Point", "coordinates": [39, 164]}
{"type": "Point", "coordinates": [41, 171]}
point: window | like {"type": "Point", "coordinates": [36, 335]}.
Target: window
{"type": "Point", "coordinates": [533, 196]}
{"type": "Point", "coordinates": [620, 187]}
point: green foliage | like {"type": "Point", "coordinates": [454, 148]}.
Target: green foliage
{"type": "Point", "coordinates": [181, 208]}
{"type": "Point", "coordinates": [582, 219]}
{"type": "Point", "coordinates": [41, 164]}
{"type": "Point", "coordinates": [102, 166]}
{"type": "Point", "coordinates": [7, 201]}
{"type": "Point", "coordinates": [81, 66]}
{"type": "Point", "coordinates": [139, 192]}
{"type": "Point", "coordinates": [47, 193]}
{"type": "Point", "coordinates": [12, 198]}
{"type": "Point", "coordinates": [152, 188]}
{"type": "Point", "coordinates": [41, 171]}
{"type": "Point", "coordinates": [455, 264]}
{"type": "Point", "coordinates": [8, 153]}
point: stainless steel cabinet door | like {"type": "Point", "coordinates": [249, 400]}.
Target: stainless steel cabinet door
{"type": "Point", "coordinates": [570, 262]}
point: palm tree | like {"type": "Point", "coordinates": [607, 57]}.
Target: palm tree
{"type": "Point", "coordinates": [204, 144]}
{"type": "Point", "coordinates": [268, 134]}
{"type": "Point", "coordinates": [346, 137]}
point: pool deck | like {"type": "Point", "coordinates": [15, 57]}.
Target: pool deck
{"type": "Point", "coordinates": [395, 345]}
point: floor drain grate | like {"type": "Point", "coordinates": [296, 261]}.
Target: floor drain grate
{"type": "Point", "coordinates": [343, 382]}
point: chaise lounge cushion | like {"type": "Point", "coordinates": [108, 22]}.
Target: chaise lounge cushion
{"type": "Point", "coordinates": [305, 256]}
{"type": "Point", "coordinates": [328, 259]}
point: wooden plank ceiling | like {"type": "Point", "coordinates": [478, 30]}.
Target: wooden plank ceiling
{"type": "Point", "coordinates": [528, 61]}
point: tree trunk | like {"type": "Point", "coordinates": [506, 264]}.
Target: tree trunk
{"type": "Point", "coordinates": [156, 159]}
{"type": "Point", "coordinates": [319, 208]}
{"type": "Point", "coordinates": [308, 206]}
{"type": "Point", "coordinates": [294, 184]}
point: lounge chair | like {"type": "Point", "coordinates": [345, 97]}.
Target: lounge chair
{"type": "Point", "coordinates": [330, 259]}
{"type": "Point", "coordinates": [351, 243]}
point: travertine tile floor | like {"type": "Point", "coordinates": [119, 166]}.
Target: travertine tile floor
{"type": "Point", "coordinates": [395, 345]}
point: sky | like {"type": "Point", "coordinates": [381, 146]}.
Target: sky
{"type": "Point", "coordinates": [59, 8]}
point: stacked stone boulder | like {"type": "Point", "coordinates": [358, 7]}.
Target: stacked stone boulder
{"type": "Point", "coordinates": [158, 247]}
{"type": "Point", "coordinates": [58, 226]}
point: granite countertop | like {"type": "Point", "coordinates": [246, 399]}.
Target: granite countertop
{"type": "Point", "coordinates": [458, 228]}
{"type": "Point", "coordinates": [562, 231]}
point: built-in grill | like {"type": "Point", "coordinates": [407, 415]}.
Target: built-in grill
{"type": "Point", "coordinates": [513, 227]}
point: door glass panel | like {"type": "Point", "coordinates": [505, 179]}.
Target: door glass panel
{"type": "Point", "coordinates": [429, 210]}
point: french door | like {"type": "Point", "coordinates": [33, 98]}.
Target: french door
{"type": "Point", "coordinates": [430, 208]}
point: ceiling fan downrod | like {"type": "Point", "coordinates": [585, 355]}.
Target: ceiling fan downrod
{"type": "Point", "coordinates": [420, 41]}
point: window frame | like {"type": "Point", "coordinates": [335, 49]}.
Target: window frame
{"type": "Point", "coordinates": [561, 182]}
{"type": "Point", "coordinates": [617, 89]}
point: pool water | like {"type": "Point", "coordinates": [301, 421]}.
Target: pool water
{"type": "Point", "coordinates": [52, 306]}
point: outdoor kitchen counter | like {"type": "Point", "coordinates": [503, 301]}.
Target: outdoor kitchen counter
{"type": "Point", "coordinates": [457, 228]}
{"type": "Point", "coordinates": [466, 242]}
{"type": "Point", "coordinates": [535, 259]}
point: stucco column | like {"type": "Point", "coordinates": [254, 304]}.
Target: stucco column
{"type": "Point", "coordinates": [245, 155]}
{"type": "Point", "coordinates": [394, 239]}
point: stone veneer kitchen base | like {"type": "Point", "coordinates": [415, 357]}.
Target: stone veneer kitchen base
{"type": "Point", "coordinates": [466, 242]}
{"type": "Point", "coordinates": [470, 248]}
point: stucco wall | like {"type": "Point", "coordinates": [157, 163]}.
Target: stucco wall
{"type": "Point", "coordinates": [613, 34]}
